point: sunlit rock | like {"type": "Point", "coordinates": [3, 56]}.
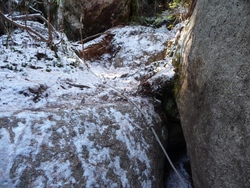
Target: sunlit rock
{"type": "Point", "coordinates": [213, 93]}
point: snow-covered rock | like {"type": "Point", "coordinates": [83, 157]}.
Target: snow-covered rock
{"type": "Point", "coordinates": [66, 122]}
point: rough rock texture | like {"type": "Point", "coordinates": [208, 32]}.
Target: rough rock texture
{"type": "Point", "coordinates": [214, 93]}
{"type": "Point", "coordinates": [96, 15]}
{"type": "Point", "coordinates": [85, 147]}
{"type": "Point", "coordinates": [64, 123]}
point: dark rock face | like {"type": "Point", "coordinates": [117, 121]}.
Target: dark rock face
{"type": "Point", "coordinates": [214, 96]}
{"type": "Point", "coordinates": [96, 15]}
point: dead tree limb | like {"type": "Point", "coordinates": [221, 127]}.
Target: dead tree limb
{"type": "Point", "coordinates": [23, 27]}
{"type": "Point", "coordinates": [39, 16]}
{"type": "Point", "coordinates": [49, 25]}
{"type": "Point", "coordinates": [77, 85]}
{"type": "Point", "coordinates": [90, 38]}
{"type": "Point", "coordinates": [35, 10]}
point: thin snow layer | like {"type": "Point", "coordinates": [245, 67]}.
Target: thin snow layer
{"type": "Point", "coordinates": [65, 124]}
{"type": "Point", "coordinates": [56, 148]}
{"type": "Point", "coordinates": [32, 75]}
{"type": "Point", "coordinates": [140, 45]}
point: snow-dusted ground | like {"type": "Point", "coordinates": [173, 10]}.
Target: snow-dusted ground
{"type": "Point", "coordinates": [65, 124]}
{"type": "Point", "coordinates": [27, 64]}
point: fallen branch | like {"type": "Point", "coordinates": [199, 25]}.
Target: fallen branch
{"type": "Point", "coordinates": [90, 38]}
{"type": "Point", "coordinates": [23, 27]}
{"type": "Point", "coordinates": [35, 10]}
{"type": "Point", "coordinates": [77, 85]}
{"type": "Point", "coordinates": [29, 16]}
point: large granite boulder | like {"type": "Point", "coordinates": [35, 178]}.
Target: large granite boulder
{"type": "Point", "coordinates": [213, 93]}
{"type": "Point", "coordinates": [94, 16]}
{"type": "Point", "coordinates": [93, 145]}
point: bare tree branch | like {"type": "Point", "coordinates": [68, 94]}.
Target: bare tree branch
{"type": "Point", "coordinates": [90, 38]}
{"type": "Point", "coordinates": [23, 27]}
{"type": "Point", "coordinates": [29, 16]}
{"type": "Point", "coordinates": [35, 10]}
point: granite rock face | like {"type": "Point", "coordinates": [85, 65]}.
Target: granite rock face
{"type": "Point", "coordinates": [214, 93]}
{"type": "Point", "coordinates": [96, 16]}
{"type": "Point", "coordinates": [85, 147]}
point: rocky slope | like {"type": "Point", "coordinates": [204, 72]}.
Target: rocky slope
{"type": "Point", "coordinates": [68, 122]}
